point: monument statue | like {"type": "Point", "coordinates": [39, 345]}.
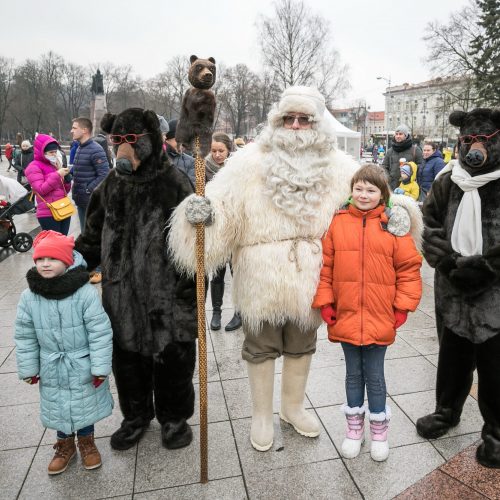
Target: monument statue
{"type": "Point", "coordinates": [97, 85]}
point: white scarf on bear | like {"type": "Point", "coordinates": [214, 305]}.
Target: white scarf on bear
{"type": "Point", "coordinates": [467, 233]}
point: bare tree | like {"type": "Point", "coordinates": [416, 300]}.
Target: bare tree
{"type": "Point", "coordinates": [266, 93]}
{"type": "Point", "coordinates": [7, 71]}
{"type": "Point", "coordinates": [30, 97]}
{"type": "Point", "coordinates": [74, 91]}
{"type": "Point", "coordinates": [449, 43]}
{"type": "Point", "coordinates": [236, 95]}
{"type": "Point", "coordinates": [295, 45]}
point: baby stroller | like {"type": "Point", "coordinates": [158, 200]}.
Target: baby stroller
{"type": "Point", "coordinates": [21, 242]}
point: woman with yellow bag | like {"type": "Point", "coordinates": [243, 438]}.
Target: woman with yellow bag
{"type": "Point", "coordinates": [51, 182]}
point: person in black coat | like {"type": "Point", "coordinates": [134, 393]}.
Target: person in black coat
{"type": "Point", "coordinates": [402, 148]}
{"type": "Point", "coordinates": [152, 308]}
{"type": "Point", "coordinates": [23, 159]}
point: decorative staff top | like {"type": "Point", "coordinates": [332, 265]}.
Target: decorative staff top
{"type": "Point", "coordinates": [198, 106]}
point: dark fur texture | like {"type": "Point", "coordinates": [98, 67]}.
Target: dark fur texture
{"type": "Point", "coordinates": [467, 292]}
{"type": "Point", "coordinates": [150, 305]}
{"type": "Point", "coordinates": [198, 106]}
{"type": "Point", "coordinates": [168, 375]}
{"type": "Point", "coordinates": [59, 287]}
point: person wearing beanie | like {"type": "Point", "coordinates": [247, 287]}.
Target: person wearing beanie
{"type": "Point", "coordinates": [408, 185]}
{"type": "Point", "coordinates": [402, 150]}
{"type": "Point", "coordinates": [23, 160]}
{"type": "Point", "coordinates": [267, 210]}
{"type": "Point", "coordinates": [180, 160]}
{"type": "Point", "coordinates": [64, 343]}
{"type": "Point", "coordinates": [50, 181]}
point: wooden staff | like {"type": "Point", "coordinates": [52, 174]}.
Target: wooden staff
{"type": "Point", "coordinates": [199, 168]}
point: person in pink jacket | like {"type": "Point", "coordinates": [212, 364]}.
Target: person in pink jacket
{"type": "Point", "coordinates": [50, 181]}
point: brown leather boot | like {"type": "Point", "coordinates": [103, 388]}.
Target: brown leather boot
{"type": "Point", "coordinates": [65, 451]}
{"type": "Point", "coordinates": [91, 458]}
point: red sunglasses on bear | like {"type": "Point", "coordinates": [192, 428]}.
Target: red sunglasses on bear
{"type": "Point", "coordinates": [469, 139]}
{"type": "Point", "coordinates": [128, 138]}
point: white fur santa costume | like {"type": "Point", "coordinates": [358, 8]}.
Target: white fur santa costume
{"type": "Point", "coordinates": [271, 205]}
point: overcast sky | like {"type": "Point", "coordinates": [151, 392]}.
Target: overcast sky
{"type": "Point", "coordinates": [382, 38]}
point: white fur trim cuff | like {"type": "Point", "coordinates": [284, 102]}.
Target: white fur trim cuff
{"type": "Point", "coordinates": [357, 410]}
{"type": "Point", "coordinates": [380, 417]}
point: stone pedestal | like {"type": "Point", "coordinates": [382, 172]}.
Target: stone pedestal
{"type": "Point", "coordinates": [97, 111]}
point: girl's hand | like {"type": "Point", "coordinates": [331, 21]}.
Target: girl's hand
{"type": "Point", "coordinates": [32, 380]}
{"type": "Point", "coordinates": [63, 172]}
{"type": "Point", "coordinates": [400, 318]}
{"type": "Point", "coordinates": [97, 380]}
{"type": "Point", "coordinates": [329, 314]}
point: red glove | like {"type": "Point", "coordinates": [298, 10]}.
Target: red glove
{"type": "Point", "coordinates": [329, 314]}
{"type": "Point", "coordinates": [400, 318]}
{"type": "Point", "coordinates": [32, 380]}
{"type": "Point", "coordinates": [98, 380]}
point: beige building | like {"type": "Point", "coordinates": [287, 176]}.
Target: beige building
{"type": "Point", "coordinates": [426, 106]}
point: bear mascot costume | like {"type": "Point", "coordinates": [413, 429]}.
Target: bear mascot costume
{"type": "Point", "coordinates": [152, 308]}
{"type": "Point", "coordinates": [462, 242]}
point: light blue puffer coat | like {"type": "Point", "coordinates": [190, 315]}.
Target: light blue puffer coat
{"type": "Point", "coordinates": [66, 341]}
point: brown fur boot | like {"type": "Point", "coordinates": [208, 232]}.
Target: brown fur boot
{"type": "Point", "coordinates": [91, 458]}
{"type": "Point", "coordinates": [65, 451]}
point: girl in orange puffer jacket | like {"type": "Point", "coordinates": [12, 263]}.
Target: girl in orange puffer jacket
{"type": "Point", "coordinates": [369, 281]}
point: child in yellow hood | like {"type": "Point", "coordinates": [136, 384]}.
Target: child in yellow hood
{"type": "Point", "coordinates": [408, 185]}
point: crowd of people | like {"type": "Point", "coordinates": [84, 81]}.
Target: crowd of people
{"type": "Point", "coordinates": [410, 168]}
{"type": "Point", "coordinates": [308, 234]}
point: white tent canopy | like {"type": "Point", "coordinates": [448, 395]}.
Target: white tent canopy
{"type": "Point", "coordinates": [348, 140]}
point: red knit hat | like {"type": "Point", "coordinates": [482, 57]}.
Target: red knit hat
{"type": "Point", "coordinates": [54, 245]}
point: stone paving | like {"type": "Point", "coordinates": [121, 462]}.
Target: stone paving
{"type": "Point", "coordinates": [295, 467]}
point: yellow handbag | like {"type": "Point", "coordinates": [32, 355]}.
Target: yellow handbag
{"type": "Point", "coordinates": [60, 209]}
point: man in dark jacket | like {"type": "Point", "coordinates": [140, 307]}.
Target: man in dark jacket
{"type": "Point", "coordinates": [402, 147]}
{"type": "Point", "coordinates": [182, 161]}
{"type": "Point", "coordinates": [433, 164]}
{"type": "Point", "coordinates": [102, 140]}
{"type": "Point", "coordinates": [90, 168]}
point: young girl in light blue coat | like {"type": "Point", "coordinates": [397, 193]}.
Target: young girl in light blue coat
{"type": "Point", "coordinates": [64, 341]}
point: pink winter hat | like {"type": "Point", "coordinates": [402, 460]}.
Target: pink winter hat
{"type": "Point", "coordinates": [54, 245]}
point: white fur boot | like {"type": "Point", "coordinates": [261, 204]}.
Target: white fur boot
{"type": "Point", "coordinates": [379, 426]}
{"type": "Point", "coordinates": [355, 432]}
{"type": "Point", "coordinates": [261, 377]}
{"type": "Point", "coordinates": [293, 389]}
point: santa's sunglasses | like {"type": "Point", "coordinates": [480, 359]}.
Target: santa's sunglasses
{"type": "Point", "coordinates": [469, 139]}
{"type": "Point", "coordinates": [128, 138]}
{"type": "Point", "coordinates": [289, 120]}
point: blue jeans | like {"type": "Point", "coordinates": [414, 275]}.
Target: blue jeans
{"type": "Point", "coordinates": [365, 367]}
{"type": "Point", "coordinates": [81, 215]}
{"type": "Point", "coordinates": [86, 431]}
{"type": "Point", "coordinates": [61, 226]}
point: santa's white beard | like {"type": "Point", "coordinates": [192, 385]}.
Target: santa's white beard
{"type": "Point", "coordinates": [297, 171]}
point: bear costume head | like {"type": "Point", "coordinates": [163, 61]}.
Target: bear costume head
{"type": "Point", "coordinates": [202, 72]}
{"type": "Point", "coordinates": [136, 138]}
{"type": "Point", "coordinates": [479, 140]}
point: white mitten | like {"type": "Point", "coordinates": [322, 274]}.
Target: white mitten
{"type": "Point", "coordinates": [399, 221]}
{"type": "Point", "coordinates": [199, 210]}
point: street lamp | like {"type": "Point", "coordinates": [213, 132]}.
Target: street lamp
{"type": "Point", "coordinates": [388, 80]}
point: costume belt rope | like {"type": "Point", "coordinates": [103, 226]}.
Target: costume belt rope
{"type": "Point", "coordinates": [293, 255]}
